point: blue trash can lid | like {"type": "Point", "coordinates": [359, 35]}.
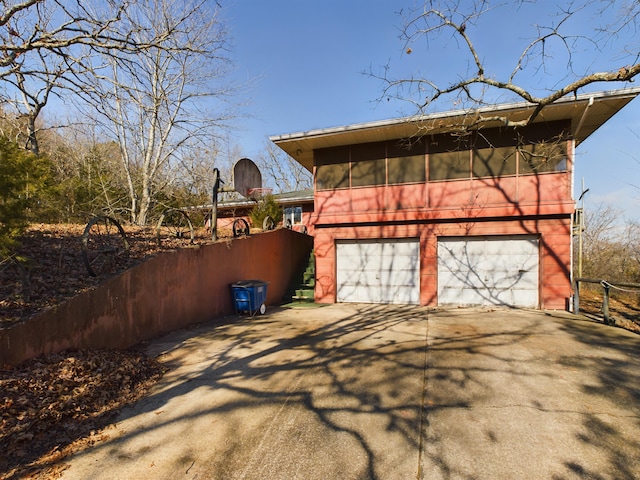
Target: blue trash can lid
{"type": "Point", "coordinates": [248, 283]}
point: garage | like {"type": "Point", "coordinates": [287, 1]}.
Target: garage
{"type": "Point", "coordinates": [378, 271]}
{"type": "Point", "coordinates": [497, 270]}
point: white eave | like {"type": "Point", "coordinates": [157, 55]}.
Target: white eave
{"type": "Point", "coordinates": [587, 113]}
{"type": "Point", "coordinates": [283, 199]}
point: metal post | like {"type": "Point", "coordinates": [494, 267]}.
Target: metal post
{"type": "Point", "coordinates": [214, 209]}
{"type": "Point", "coordinates": [605, 302]}
{"type": "Point", "coordinates": [581, 228]}
{"type": "Point", "coordinates": [576, 297]}
{"type": "Point", "coordinates": [580, 249]}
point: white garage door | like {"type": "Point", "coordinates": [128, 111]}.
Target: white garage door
{"type": "Point", "coordinates": [378, 271]}
{"type": "Point", "coordinates": [488, 271]}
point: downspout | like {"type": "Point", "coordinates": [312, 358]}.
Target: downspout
{"type": "Point", "coordinates": [584, 115]}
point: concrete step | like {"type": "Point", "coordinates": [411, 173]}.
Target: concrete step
{"type": "Point", "coordinates": [304, 292]}
{"type": "Point", "coordinates": [302, 299]}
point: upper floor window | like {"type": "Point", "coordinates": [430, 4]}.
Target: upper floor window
{"type": "Point", "coordinates": [370, 164]}
{"type": "Point", "coordinates": [491, 152]}
{"type": "Point", "coordinates": [499, 152]}
{"type": "Point", "coordinates": [406, 169]}
{"type": "Point", "coordinates": [406, 161]}
{"type": "Point", "coordinates": [449, 157]}
{"type": "Point", "coordinates": [332, 168]}
{"type": "Point", "coordinates": [543, 157]}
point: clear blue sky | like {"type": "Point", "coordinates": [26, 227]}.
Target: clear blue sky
{"type": "Point", "coordinates": [306, 60]}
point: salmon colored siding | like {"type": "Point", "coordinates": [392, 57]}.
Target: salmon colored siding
{"type": "Point", "coordinates": [539, 205]}
{"type": "Point", "coordinates": [555, 253]}
{"type": "Point", "coordinates": [519, 204]}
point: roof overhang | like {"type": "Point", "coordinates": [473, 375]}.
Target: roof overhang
{"type": "Point", "coordinates": [283, 199]}
{"type": "Point", "coordinates": [587, 113]}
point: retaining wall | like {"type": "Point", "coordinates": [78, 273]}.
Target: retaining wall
{"type": "Point", "coordinates": [168, 292]}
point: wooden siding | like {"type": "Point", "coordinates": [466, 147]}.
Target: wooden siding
{"type": "Point", "coordinates": [524, 195]}
{"type": "Point", "coordinates": [555, 252]}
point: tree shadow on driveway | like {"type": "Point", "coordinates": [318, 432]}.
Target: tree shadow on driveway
{"type": "Point", "coordinates": [518, 394]}
{"type": "Point", "coordinates": [364, 391]}
{"type": "Point", "coordinates": [334, 393]}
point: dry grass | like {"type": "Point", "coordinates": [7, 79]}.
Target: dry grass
{"type": "Point", "coordinates": [624, 308]}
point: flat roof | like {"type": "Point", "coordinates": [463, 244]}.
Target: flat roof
{"type": "Point", "coordinates": [587, 112]}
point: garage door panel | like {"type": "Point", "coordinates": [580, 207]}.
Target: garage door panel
{"type": "Point", "coordinates": [521, 282]}
{"type": "Point", "coordinates": [378, 271]}
{"type": "Point", "coordinates": [362, 281]}
{"type": "Point", "coordinates": [475, 296]}
{"type": "Point", "coordinates": [399, 279]}
{"type": "Point", "coordinates": [371, 276]}
{"type": "Point", "coordinates": [360, 293]}
{"type": "Point", "coordinates": [462, 296]}
{"type": "Point", "coordinates": [488, 271]}
{"type": "Point", "coordinates": [373, 294]}
{"type": "Point", "coordinates": [529, 246]}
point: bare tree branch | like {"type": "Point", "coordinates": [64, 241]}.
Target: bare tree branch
{"type": "Point", "coordinates": [460, 25]}
{"type": "Point", "coordinates": [151, 101]}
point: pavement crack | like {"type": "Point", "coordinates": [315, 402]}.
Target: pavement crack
{"type": "Point", "coordinates": [423, 402]}
{"type": "Point", "coordinates": [552, 410]}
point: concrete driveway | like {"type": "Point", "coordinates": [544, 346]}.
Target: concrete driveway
{"type": "Point", "coordinates": [384, 392]}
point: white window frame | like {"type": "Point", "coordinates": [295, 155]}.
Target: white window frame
{"type": "Point", "coordinates": [289, 215]}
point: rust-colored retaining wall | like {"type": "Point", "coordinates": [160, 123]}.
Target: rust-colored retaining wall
{"type": "Point", "coordinates": [165, 293]}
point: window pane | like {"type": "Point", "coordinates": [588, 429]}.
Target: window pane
{"type": "Point", "coordinates": [449, 157]}
{"type": "Point", "coordinates": [407, 169]}
{"type": "Point", "coordinates": [287, 217]}
{"type": "Point", "coordinates": [368, 151]}
{"type": "Point", "coordinates": [543, 157]}
{"type": "Point", "coordinates": [406, 148]}
{"type": "Point", "coordinates": [330, 156]}
{"type": "Point", "coordinates": [449, 165]}
{"type": "Point", "coordinates": [494, 162]}
{"type": "Point", "coordinates": [543, 132]}
{"type": "Point", "coordinates": [329, 177]}
{"type": "Point", "coordinates": [543, 147]}
{"type": "Point", "coordinates": [369, 172]}
{"type": "Point", "coordinates": [292, 216]}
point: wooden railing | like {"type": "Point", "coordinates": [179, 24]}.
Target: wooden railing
{"type": "Point", "coordinates": [606, 294]}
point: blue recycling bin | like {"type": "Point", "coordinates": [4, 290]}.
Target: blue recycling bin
{"type": "Point", "coordinates": [249, 296]}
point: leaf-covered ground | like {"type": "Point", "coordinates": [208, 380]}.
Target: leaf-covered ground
{"type": "Point", "coordinates": [624, 309]}
{"type": "Point", "coordinates": [50, 267]}
{"type": "Point", "coordinates": [57, 404]}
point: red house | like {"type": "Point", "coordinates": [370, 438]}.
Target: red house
{"type": "Point", "coordinates": [446, 210]}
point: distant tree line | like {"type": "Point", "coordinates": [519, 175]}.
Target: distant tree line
{"type": "Point", "coordinates": [611, 249]}
{"type": "Point", "coordinates": [119, 107]}
{"type": "Point", "coordinates": [113, 107]}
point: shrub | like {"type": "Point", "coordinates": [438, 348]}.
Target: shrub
{"type": "Point", "coordinates": [24, 177]}
{"type": "Point", "coordinates": [267, 206]}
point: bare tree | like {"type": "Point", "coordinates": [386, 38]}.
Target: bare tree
{"type": "Point", "coordinates": [281, 172]}
{"type": "Point", "coordinates": [87, 173]}
{"type": "Point", "coordinates": [45, 46]}
{"type": "Point", "coordinates": [581, 34]}
{"type": "Point", "coordinates": [164, 102]}
{"type": "Point", "coordinates": [612, 245]}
